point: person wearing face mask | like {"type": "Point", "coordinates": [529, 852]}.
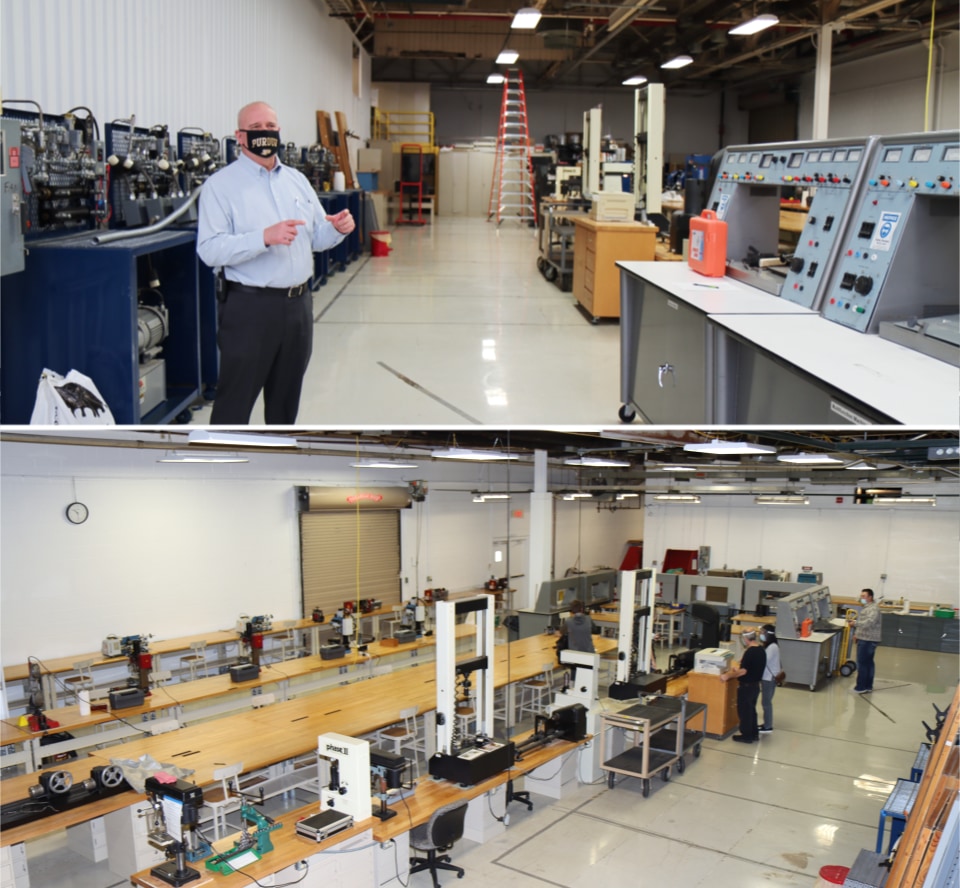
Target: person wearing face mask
{"type": "Point", "coordinates": [750, 674]}
{"type": "Point", "coordinates": [867, 636]}
{"type": "Point", "coordinates": [768, 685]}
{"type": "Point", "coordinates": [260, 223]}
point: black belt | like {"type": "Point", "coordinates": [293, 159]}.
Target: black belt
{"type": "Point", "coordinates": [289, 292]}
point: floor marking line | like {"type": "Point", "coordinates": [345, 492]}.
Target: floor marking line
{"type": "Point", "coordinates": [339, 293]}
{"type": "Point", "coordinates": [428, 393]}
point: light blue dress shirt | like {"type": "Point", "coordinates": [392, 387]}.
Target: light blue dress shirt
{"type": "Point", "coordinates": [241, 200]}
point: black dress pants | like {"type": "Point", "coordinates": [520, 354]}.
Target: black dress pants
{"type": "Point", "coordinates": [747, 695]}
{"type": "Point", "coordinates": [265, 339]}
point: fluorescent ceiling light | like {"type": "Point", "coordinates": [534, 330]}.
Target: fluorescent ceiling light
{"type": "Point", "coordinates": [494, 78]}
{"type": "Point", "coordinates": [526, 19]}
{"type": "Point", "coordinates": [235, 439]}
{"type": "Point", "coordinates": [680, 61]}
{"type": "Point", "coordinates": [483, 497]}
{"type": "Point", "coordinates": [197, 458]}
{"type": "Point", "coordinates": [635, 81]}
{"type": "Point", "coordinates": [862, 466]}
{"type": "Point", "coordinates": [729, 448]}
{"type": "Point", "coordinates": [623, 496]}
{"type": "Point", "coordinates": [755, 25]}
{"type": "Point", "coordinates": [473, 455]}
{"type": "Point", "coordinates": [783, 499]}
{"type": "Point", "coordinates": [596, 461]}
{"type": "Point", "coordinates": [808, 459]}
{"type": "Point", "coordinates": [382, 464]}
{"type": "Point", "coordinates": [677, 498]}
{"type": "Point", "coordinates": [895, 500]}
{"type": "Point", "coordinates": [676, 469]}
{"type": "Point", "coordinates": [507, 57]}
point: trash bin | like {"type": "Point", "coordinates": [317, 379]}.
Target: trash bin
{"type": "Point", "coordinates": [832, 875]}
{"type": "Point", "coordinates": [380, 243]}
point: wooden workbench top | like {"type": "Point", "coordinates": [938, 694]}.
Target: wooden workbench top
{"type": "Point", "coordinates": [281, 731]}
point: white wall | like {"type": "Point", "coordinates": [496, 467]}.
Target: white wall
{"type": "Point", "coordinates": [885, 94]}
{"type": "Point", "coordinates": [852, 545]}
{"type": "Point", "coordinates": [183, 63]}
{"type": "Point", "coordinates": [171, 549]}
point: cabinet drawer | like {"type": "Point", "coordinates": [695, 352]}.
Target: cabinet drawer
{"type": "Point", "coordinates": [588, 279]}
{"type": "Point", "coordinates": [588, 237]}
{"type": "Point", "coordinates": [590, 259]}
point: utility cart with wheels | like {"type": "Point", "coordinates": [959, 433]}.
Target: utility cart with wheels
{"type": "Point", "coordinates": [555, 261]}
{"type": "Point", "coordinates": [649, 738]}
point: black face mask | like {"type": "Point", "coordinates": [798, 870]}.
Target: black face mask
{"type": "Point", "coordinates": [263, 142]}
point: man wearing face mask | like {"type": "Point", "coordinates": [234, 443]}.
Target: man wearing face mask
{"type": "Point", "coordinates": [750, 673]}
{"type": "Point", "coordinates": [867, 636]}
{"type": "Point", "coordinates": [260, 222]}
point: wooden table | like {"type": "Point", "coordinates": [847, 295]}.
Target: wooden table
{"type": "Point", "coordinates": [173, 700]}
{"type": "Point", "coordinates": [282, 731]}
{"type": "Point", "coordinates": [430, 795]}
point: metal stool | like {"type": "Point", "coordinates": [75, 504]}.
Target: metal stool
{"type": "Point", "coordinates": [535, 692]}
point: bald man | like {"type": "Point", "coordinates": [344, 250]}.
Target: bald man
{"type": "Point", "coordinates": [260, 222]}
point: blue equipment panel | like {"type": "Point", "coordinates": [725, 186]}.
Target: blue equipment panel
{"type": "Point", "coordinates": [75, 306]}
{"type": "Point", "coordinates": [899, 254]}
{"type": "Point", "coordinates": [746, 194]}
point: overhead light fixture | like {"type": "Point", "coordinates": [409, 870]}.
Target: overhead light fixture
{"type": "Point", "coordinates": [755, 25]}
{"type": "Point", "coordinates": [862, 466]}
{"type": "Point", "coordinates": [596, 461]}
{"type": "Point", "coordinates": [808, 459]}
{"type": "Point", "coordinates": [473, 455]}
{"type": "Point", "coordinates": [623, 496]}
{"type": "Point", "coordinates": [235, 439]}
{"type": "Point", "coordinates": [680, 61]}
{"type": "Point", "coordinates": [197, 458]}
{"type": "Point", "coordinates": [382, 464]}
{"type": "Point", "coordinates": [526, 19]}
{"type": "Point", "coordinates": [635, 81]}
{"type": "Point", "coordinates": [484, 497]}
{"type": "Point", "coordinates": [494, 78]}
{"type": "Point", "coordinates": [677, 498]}
{"type": "Point", "coordinates": [782, 499]}
{"type": "Point", "coordinates": [580, 494]}
{"type": "Point", "coordinates": [896, 500]}
{"type": "Point", "coordinates": [507, 57]}
{"type": "Point", "coordinates": [676, 469]}
{"type": "Point", "coordinates": [729, 448]}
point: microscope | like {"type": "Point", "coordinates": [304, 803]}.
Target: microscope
{"type": "Point", "coordinates": [175, 812]}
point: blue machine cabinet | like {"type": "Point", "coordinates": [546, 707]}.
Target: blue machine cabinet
{"type": "Point", "coordinates": [74, 307]}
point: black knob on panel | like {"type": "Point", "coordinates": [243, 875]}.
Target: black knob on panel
{"type": "Point", "coordinates": [863, 284]}
{"type": "Point", "coordinates": [796, 264]}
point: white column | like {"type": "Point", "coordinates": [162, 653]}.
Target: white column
{"type": "Point", "coordinates": [541, 529]}
{"type": "Point", "coordinates": [821, 83]}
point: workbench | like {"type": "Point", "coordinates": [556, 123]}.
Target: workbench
{"type": "Point", "coordinates": [279, 732]}
{"type": "Point", "coordinates": [217, 695]}
{"type": "Point", "coordinates": [364, 837]}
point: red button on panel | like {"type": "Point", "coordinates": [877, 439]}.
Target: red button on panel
{"type": "Point", "coordinates": [944, 184]}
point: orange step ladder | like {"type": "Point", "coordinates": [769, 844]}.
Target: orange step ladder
{"type": "Point", "coordinates": [511, 191]}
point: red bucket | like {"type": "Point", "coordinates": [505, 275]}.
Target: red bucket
{"type": "Point", "coordinates": [380, 243]}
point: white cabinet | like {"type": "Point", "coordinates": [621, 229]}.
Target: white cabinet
{"type": "Point", "coordinates": [127, 846]}
{"type": "Point", "coordinates": [464, 178]}
{"type": "Point", "coordinates": [13, 866]}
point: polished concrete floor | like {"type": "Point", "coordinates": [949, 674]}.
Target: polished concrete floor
{"type": "Point", "coordinates": [740, 816]}
{"type": "Point", "coordinates": [455, 327]}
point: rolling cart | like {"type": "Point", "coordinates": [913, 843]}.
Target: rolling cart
{"type": "Point", "coordinates": [660, 738]}
{"type": "Point", "coordinates": [555, 261]}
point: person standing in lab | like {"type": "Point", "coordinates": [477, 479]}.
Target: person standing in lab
{"type": "Point", "coordinates": [578, 629]}
{"type": "Point", "coordinates": [750, 673]}
{"type": "Point", "coordinates": [260, 222]}
{"type": "Point", "coordinates": [768, 685]}
{"type": "Point", "coordinates": [867, 636]}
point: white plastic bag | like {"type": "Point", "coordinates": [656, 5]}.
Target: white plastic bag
{"type": "Point", "coordinates": [69, 400]}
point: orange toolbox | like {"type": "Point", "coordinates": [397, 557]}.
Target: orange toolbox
{"type": "Point", "coordinates": [708, 244]}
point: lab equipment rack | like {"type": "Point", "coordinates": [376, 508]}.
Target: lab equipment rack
{"type": "Point", "coordinates": [661, 737]}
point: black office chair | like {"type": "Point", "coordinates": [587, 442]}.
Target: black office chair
{"type": "Point", "coordinates": [439, 833]}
